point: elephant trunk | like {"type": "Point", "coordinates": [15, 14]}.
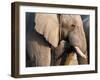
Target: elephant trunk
{"type": "Point", "coordinates": [80, 46]}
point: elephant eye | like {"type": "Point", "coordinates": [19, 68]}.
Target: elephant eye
{"type": "Point", "coordinates": [73, 26]}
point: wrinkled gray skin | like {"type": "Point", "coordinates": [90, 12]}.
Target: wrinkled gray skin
{"type": "Point", "coordinates": [38, 49]}
{"type": "Point", "coordinates": [72, 30]}
{"type": "Point", "coordinates": [38, 46]}
{"type": "Point", "coordinates": [39, 43]}
{"type": "Point", "coordinates": [86, 22]}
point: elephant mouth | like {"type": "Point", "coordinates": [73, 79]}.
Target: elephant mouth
{"type": "Point", "coordinates": [74, 48]}
{"type": "Point", "coordinates": [71, 48]}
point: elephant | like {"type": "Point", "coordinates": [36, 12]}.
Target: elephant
{"type": "Point", "coordinates": [38, 48]}
{"type": "Point", "coordinates": [72, 30]}
{"type": "Point", "coordinates": [50, 35]}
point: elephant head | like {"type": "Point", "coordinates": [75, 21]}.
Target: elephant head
{"type": "Point", "coordinates": [66, 27]}
{"type": "Point", "coordinates": [72, 30]}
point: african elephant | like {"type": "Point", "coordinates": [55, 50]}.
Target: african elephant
{"type": "Point", "coordinates": [49, 31]}
{"type": "Point", "coordinates": [71, 30]}
{"type": "Point", "coordinates": [39, 47]}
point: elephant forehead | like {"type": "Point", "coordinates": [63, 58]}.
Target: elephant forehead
{"type": "Point", "coordinates": [67, 19]}
{"type": "Point", "coordinates": [71, 19]}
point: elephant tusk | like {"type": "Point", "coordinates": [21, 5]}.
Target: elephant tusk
{"type": "Point", "coordinates": [80, 52]}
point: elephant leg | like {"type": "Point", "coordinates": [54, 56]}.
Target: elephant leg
{"type": "Point", "coordinates": [40, 55]}
{"type": "Point", "coordinates": [44, 58]}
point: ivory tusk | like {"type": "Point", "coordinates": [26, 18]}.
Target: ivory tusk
{"type": "Point", "coordinates": [80, 52]}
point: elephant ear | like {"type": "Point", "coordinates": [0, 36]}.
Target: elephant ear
{"type": "Point", "coordinates": [48, 26]}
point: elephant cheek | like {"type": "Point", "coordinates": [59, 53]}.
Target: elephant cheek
{"type": "Point", "coordinates": [78, 40]}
